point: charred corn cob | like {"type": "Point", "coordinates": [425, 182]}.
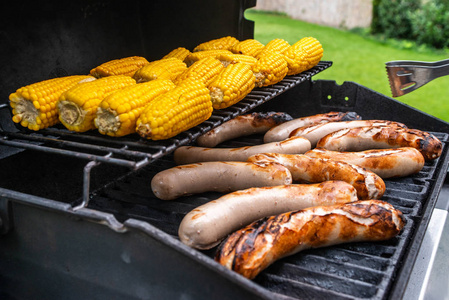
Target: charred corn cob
{"type": "Point", "coordinates": [196, 56]}
{"type": "Point", "coordinates": [180, 109]}
{"type": "Point", "coordinates": [123, 66]}
{"type": "Point", "coordinates": [167, 68]}
{"type": "Point", "coordinates": [34, 105]}
{"type": "Point", "coordinates": [117, 114]}
{"type": "Point", "coordinates": [205, 70]}
{"type": "Point", "coordinates": [77, 107]}
{"type": "Point", "coordinates": [179, 53]}
{"type": "Point", "coordinates": [271, 67]}
{"type": "Point", "coordinates": [313, 49]}
{"type": "Point", "coordinates": [222, 43]}
{"type": "Point", "coordinates": [232, 58]}
{"type": "Point", "coordinates": [232, 85]}
{"type": "Point", "coordinates": [248, 47]}
{"type": "Point", "coordinates": [276, 45]}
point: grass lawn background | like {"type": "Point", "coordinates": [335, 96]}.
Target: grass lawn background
{"type": "Point", "coordinates": [358, 58]}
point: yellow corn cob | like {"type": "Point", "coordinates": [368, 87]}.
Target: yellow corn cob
{"type": "Point", "coordinates": [296, 60]}
{"type": "Point", "coordinates": [77, 107]}
{"type": "Point", "coordinates": [205, 70]}
{"type": "Point", "coordinates": [271, 67]}
{"type": "Point", "coordinates": [123, 66]}
{"type": "Point", "coordinates": [232, 85]}
{"type": "Point", "coordinates": [248, 47]}
{"type": "Point", "coordinates": [232, 58]}
{"type": "Point", "coordinates": [222, 43]}
{"type": "Point", "coordinates": [167, 68]}
{"type": "Point", "coordinates": [180, 109]}
{"type": "Point", "coordinates": [117, 114]}
{"type": "Point", "coordinates": [313, 49]}
{"type": "Point", "coordinates": [179, 53]}
{"type": "Point", "coordinates": [34, 105]}
{"type": "Point", "coordinates": [196, 56]}
{"type": "Point", "coordinates": [276, 45]}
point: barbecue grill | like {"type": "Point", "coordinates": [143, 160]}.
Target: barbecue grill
{"type": "Point", "coordinates": [78, 218]}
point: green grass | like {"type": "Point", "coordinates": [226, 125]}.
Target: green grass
{"type": "Point", "coordinates": [359, 58]}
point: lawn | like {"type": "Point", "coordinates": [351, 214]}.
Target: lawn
{"type": "Point", "coordinates": [358, 58]}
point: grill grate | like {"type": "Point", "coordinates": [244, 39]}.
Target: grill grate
{"type": "Point", "coordinates": [358, 270]}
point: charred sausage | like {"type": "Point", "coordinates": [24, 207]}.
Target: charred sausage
{"type": "Point", "coordinates": [381, 137]}
{"type": "Point", "coordinates": [244, 125]}
{"type": "Point", "coordinates": [386, 163]}
{"type": "Point", "coordinates": [207, 225]}
{"type": "Point", "coordinates": [192, 154]}
{"type": "Point", "coordinates": [253, 248]}
{"type": "Point", "coordinates": [315, 132]}
{"type": "Point", "coordinates": [222, 177]}
{"type": "Point", "coordinates": [282, 131]}
{"type": "Point", "coordinates": [307, 169]}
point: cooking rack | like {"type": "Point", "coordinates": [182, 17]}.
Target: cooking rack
{"type": "Point", "coordinates": [134, 152]}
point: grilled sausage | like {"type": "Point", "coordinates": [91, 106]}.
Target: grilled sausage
{"type": "Point", "coordinates": [207, 225]}
{"type": "Point", "coordinates": [281, 132]}
{"type": "Point", "coordinates": [386, 163]}
{"type": "Point", "coordinates": [253, 248]}
{"type": "Point", "coordinates": [222, 177]}
{"type": "Point", "coordinates": [192, 154]}
{"type": "Point", "coordinates": [307, 169]}
{"type": "Point", "coordinates": [242, 126]}
{"type": "Point", "coordinates": [315, 132]}
{"type": "Point", "coordinates": [379, 137]}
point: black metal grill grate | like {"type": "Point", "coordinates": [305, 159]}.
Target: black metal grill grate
{"type": "Point", "coordinates": [358, 270]}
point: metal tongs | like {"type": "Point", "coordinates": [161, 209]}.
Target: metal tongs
{"type": "Point", "coordinates": [406, 76]}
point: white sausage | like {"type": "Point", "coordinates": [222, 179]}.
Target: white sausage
{"type": "Point", "coordinates": [282, 131]}
{"type": "Point", "coordinates": [386, 163]}
{"type": "Point", "coordinates": [192, 154]}
{"type": "Point", "coordinates": [205, 226]}
{"type": "Point", "coordinates": [315, 132]}
{"type": "Point", "coordinates": [222, 177]}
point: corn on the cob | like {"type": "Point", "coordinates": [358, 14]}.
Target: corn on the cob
{"type": "Point", "coordinates": [77, 107]}
{"type": "Point", "coordinates": [225, 43]}
{"type": "Point", "coordinates": [123, 66]}
{"type": "Point", "coordinates": [205, 69]}
{"type": "Point", "coordinates": [296, 60]}
{"type": "Point", "coordinates": [180, 109]}
{"type": "Point", "coordinates": [313, 49]}
{"type": "Point", "coordinates": [232, 85]}
{"type": "Point", "coordinates": [232, 58]}
{"type": "Point", "coordinates": [248, 47]}
{"type": "Point", "coordinates": [117, 114]}
{"type": "Point", "coordinates": [196, 56]}
{"type": "Point", "coordinates": [179, 53]}
{"type": "Point", "coordinates": [167, 68]}
{"type": "Point", "coordinates": [34, 105]}
{"type": "Point", "coordinates": [275, 45]}
{"type": "Point", "coordinates": [271, 67]}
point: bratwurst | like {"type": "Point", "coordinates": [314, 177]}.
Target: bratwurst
{"type": "Point", "coordinates": [253, 248]}
{"type": "Point", "coordinates": [312, 170]}
{"type": "Point", "coordinates": [386, 163]}
{"type": "Point", "coordinates": [243, 125]}
{"type": "Point", "coordinates": [208, 224]}
{"type": "Point", "coordinates": [222, 177]}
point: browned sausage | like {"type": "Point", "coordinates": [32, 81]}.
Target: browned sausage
{"type": "Point", "coordinates": [315, 132]}
{"type": "Point", "coordinates": [222, 177]}
{"type": "Point", "coordinates": [307, 169]}
{"type": "Point", "coordinates": [380, 137]}
{"type": "Point", "coordinates": [253, 248]}
{"type": "Point", "coordinates": [254, 123]}
{"type": "Point", "coordinates": [192, 154]}
{"type": "Point", "coordinates": [281, 132]}
{"type": "Point", "coordinates": [207, 225]}
{"type": "Point", "coordinates": [386, 163]}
